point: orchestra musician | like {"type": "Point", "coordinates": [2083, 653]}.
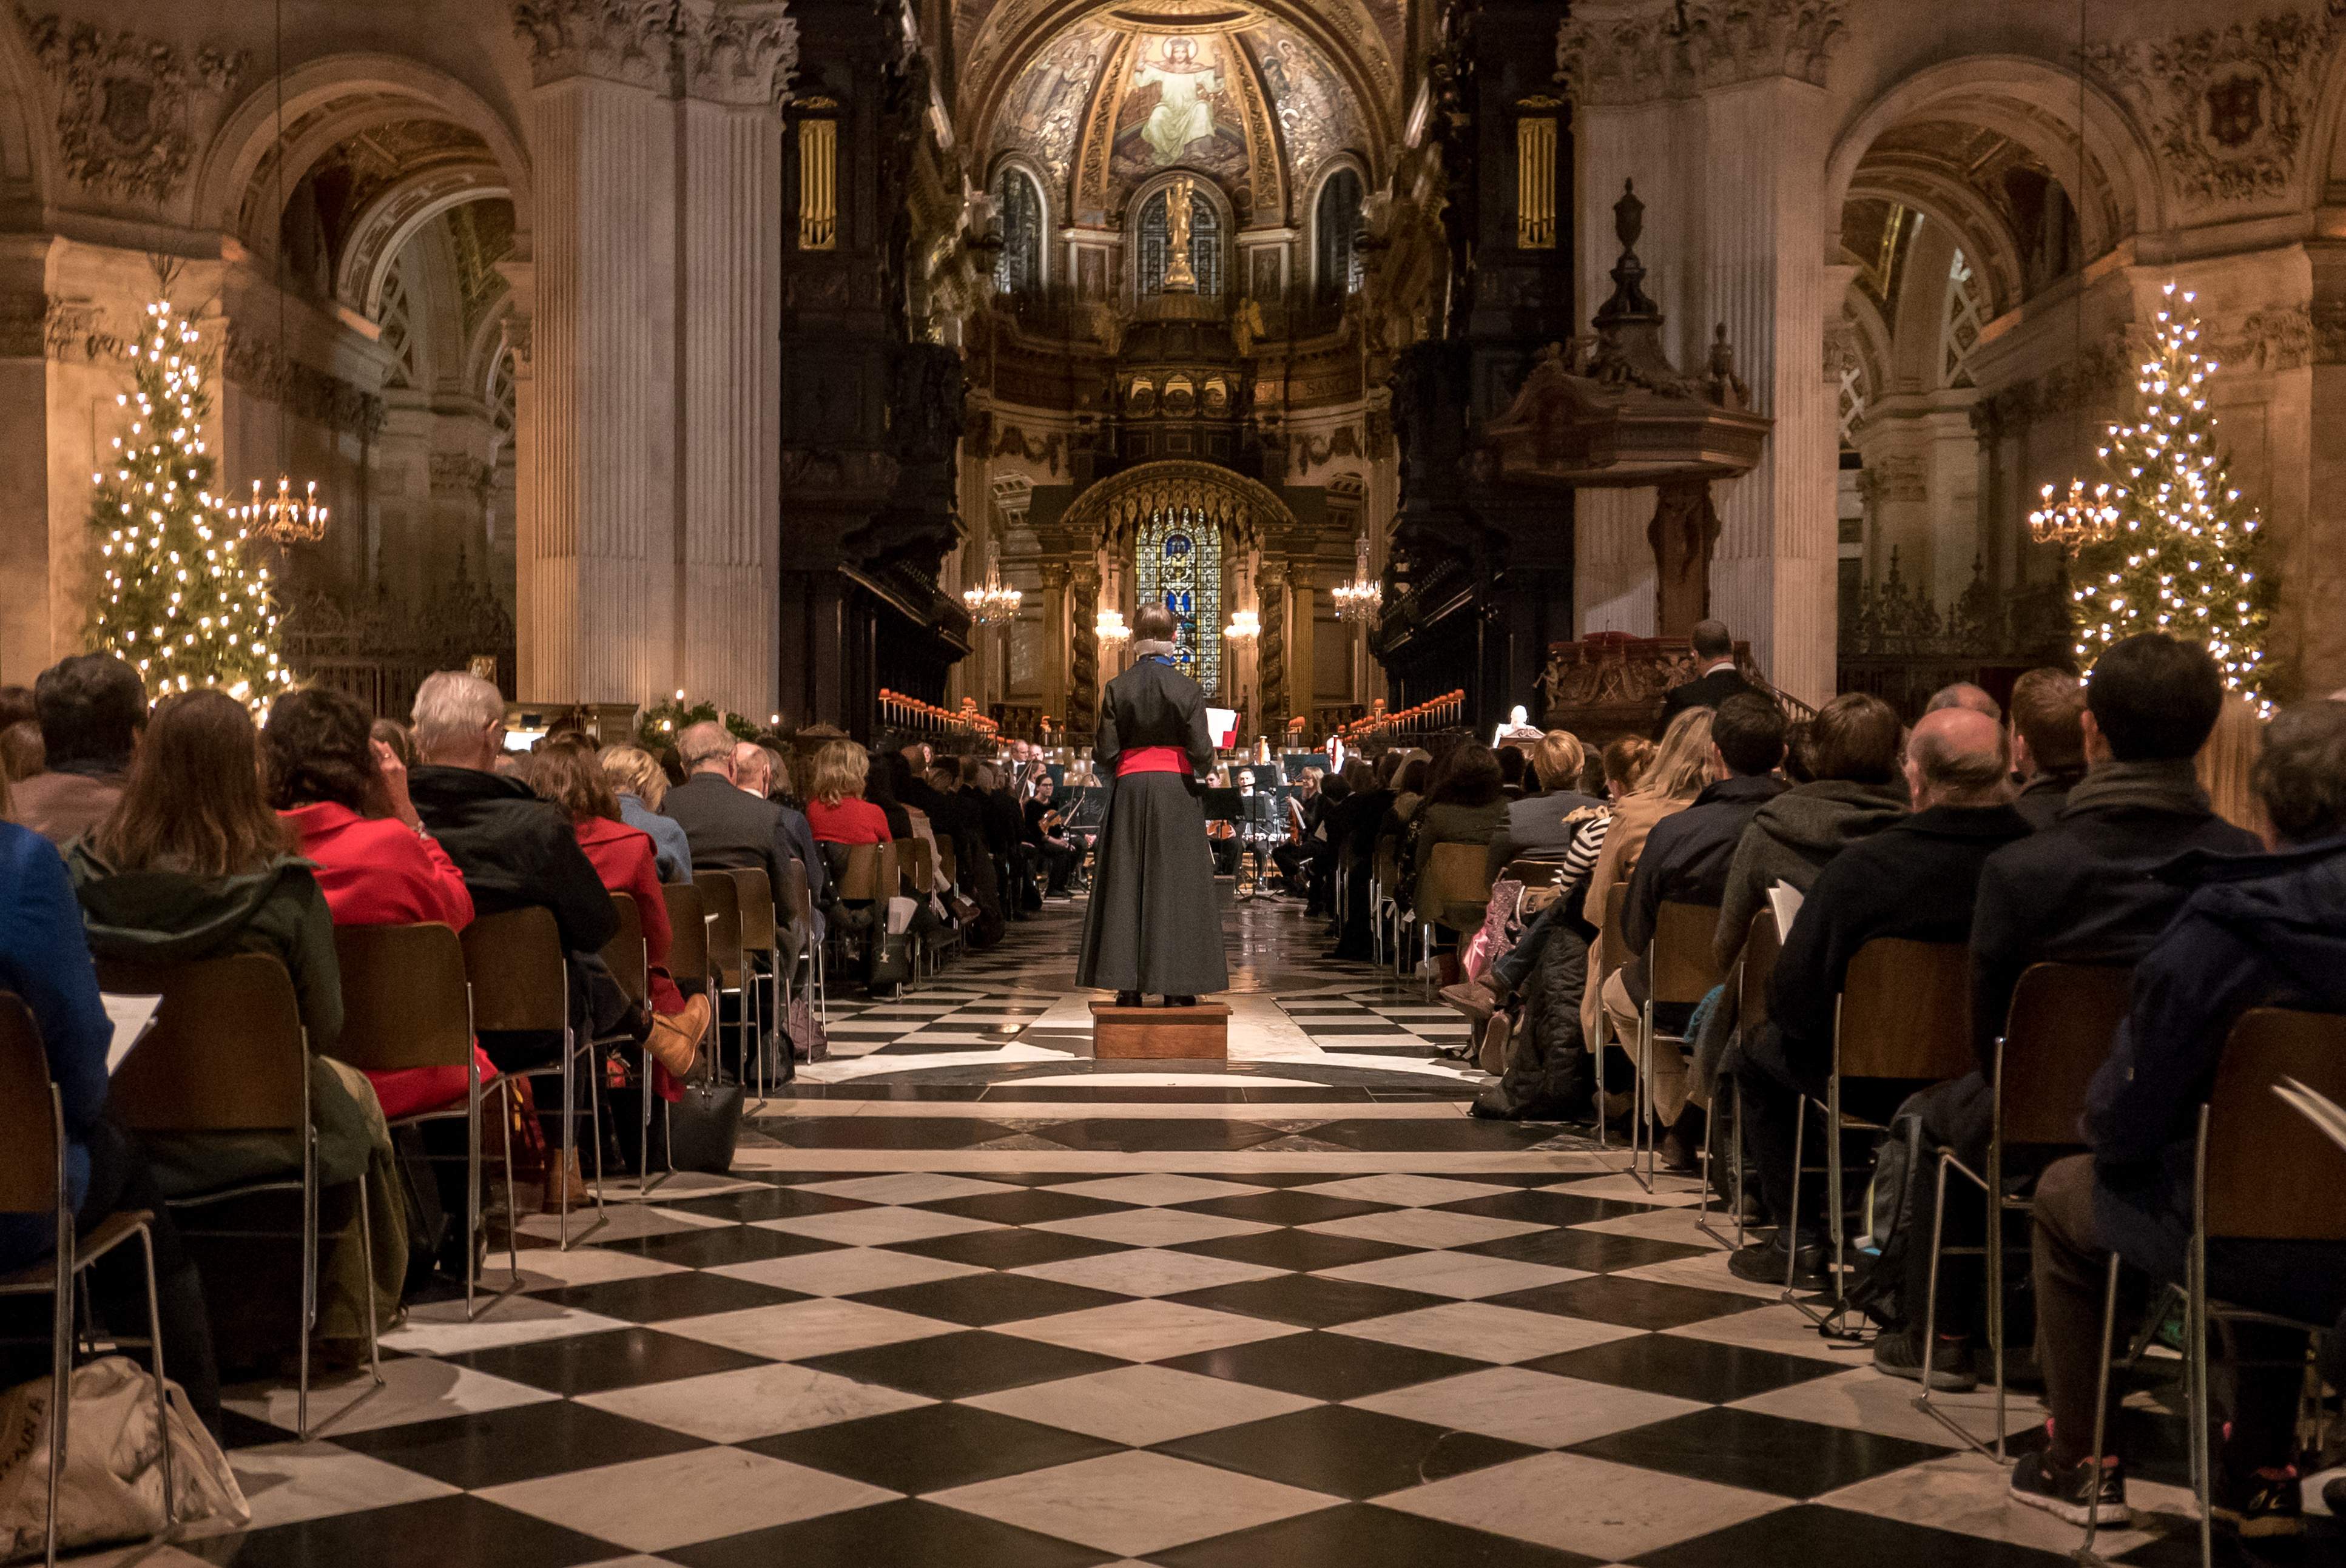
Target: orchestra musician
{"type": "Point", "coordinates": [1046, 830]}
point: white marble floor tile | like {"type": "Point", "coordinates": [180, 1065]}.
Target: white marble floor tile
{"type": "Point", "coordinates": [1152, 1227]}
{"type": "Point", "coordinates": [1772, 1328]}
{"type": "Point", "coordinates": [849, 1271]}
{"type": "Point", "coordinates": [1133, 1502]}
{"type": "Point", "coordinates": [416, 1389]}
{"type": "Point", "coordinates": [676, 1186]}
{"type": "Point", "coordinates": [679, 1498]}
{"type": "Point", "coordinates": [1523, 1406]}
{"type": "Point", "coordinates": [1415, 1191]}
{"type": "Point", "coordinates": [798, 1329]}
{"type": "Point", "coordinates": [1677, 1225]}
{"type": "Point", "coordinates": [548, 1267]}
{"type": "Point", "coordinates": [1876, 1402]}
{"type": "Point", "coordinates": [1586, 1505]}
{"type": "Point", "coordinates": [876, 1227]}
{"type": "Point", "coordinates": [287, 1482]}
{"type": "Point", "coordinates": [1158, 1189]}
{"type": "Point", "coordinates": [623, 1222]}
{"type": "Point", "coordinates": [1141, 1405]}
{"type": "Point", "coordinates": [1668, 1191]}
{"type": "Point", "coordinates": [1148, 1331]}
{"type": "Point", "coordinates": [441, 1329]}
{"type": "Point", "coordinates": [1707, 1272]}
{"type": "Point", "coordinates": [1972, 1494]}
{"type": "Point", "coordinates": [1148, 1271]}
{"type": "Point", "coordinates": [913, 1186]}
{"type": "Point", "coordinates": [1463, 1274]}
{"type": "Point", "coordinates": [1485, 1332]}
{"type": "Point", "coordinates": [753, 1402]}
{"type": "Point", "coordinates": [1424, 1228]}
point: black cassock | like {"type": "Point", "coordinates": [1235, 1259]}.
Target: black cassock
{"type": "Point", "coordinates": [1153, 924]}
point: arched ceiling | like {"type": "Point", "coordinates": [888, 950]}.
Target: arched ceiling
{"type": "Point", "coordinates": [1104, 97]}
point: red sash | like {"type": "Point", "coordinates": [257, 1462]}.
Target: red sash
{"type": "Point", "coordinates": [1153, 759]}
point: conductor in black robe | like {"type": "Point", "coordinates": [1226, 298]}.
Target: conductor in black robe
{"type": "Point", "coordinates": [1153, 925]}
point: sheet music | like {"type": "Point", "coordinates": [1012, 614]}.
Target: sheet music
{"type": "Point", "coordinates": [2319, 1109]}
{"type": "Point", "coordinates": [131, 1016]}
{"type": "Point", "coordinates": [1785, 900]}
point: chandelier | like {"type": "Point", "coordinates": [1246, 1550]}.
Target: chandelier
{"type": "Point", "coordinates": [992, 604]}
{"type": "Point", "coordinates": [1244, 627]}
{"type": "Point", "coordinates": [281, 519]}
{"type": "Point", "coordinates": [2075, 523]}
{"type": "Point", "coordinates": [1358, 600]}
{"type": "Point", "coordinates": [1110, 628]}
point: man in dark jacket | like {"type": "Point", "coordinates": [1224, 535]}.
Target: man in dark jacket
{"type": "Point", "coordinates": [729, 828]}
{"type": "Point", "coordinates": [2048, 741]}
{"type": "Point", "coordinates": [1716, 677]}
{"type": "Point", "coordinates": [2258, 931]}
{"type": "Point", "coordinates": [91, 708]}
{"type": "Point", "coordinates": [1915, 879]}
{"type": "Point", "coordinates": [1685, 862]}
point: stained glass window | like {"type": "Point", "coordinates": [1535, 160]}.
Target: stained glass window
{"type": "Point", "coordinates": [1205, 245]}
{"type": "Point", "coordinates": [1336, 234]}
{"type": "Point", "coordinates": [1179, 565]}
{"type": "Point", "coordinates": [1018, 269]}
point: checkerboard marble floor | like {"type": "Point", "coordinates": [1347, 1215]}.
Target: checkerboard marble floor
{"type": "Point", "coordinates": [1040, 1314]}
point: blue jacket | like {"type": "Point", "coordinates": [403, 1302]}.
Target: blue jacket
{"type": "Point", "coordinates": [45, 959]}
{"type": "Point", "coordinates": [671, 850]}
{"type": "Point", "coordinates": [2261, 930]}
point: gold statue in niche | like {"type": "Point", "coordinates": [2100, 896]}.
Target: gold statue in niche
{"type": "Point", "coordinates": [1178, 277]}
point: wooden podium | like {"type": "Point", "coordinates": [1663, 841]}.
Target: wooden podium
{"type": "Point", "coordinates": [1199, 1032]}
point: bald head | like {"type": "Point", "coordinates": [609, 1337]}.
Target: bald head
{"type": "Point", "coordinates": [1958, 756]}
{"type": "Point", "coordinates": [1964, 694]}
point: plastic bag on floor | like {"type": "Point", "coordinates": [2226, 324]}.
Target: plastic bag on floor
{"type": "Point", "coordinates": [112, 1488]}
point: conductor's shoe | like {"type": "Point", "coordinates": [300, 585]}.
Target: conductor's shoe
{"type": "Point", "coordinates": [1180, 1002]}
{"type": "Point", "coordinates": [1130, 998]}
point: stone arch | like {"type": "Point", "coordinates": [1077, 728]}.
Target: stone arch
{"type": "Point", "coordinates": [397, 216]}
{"type": "Point", "coordinates": [1207, 187]}
{"type": "Point", "coordinates": [1980, 232]}
{"type": "Point", "coordinates": [1054, 212]}
{"type": "Point", "coordinates": [1112, 511]}
{"type": "Point", "coordinates": [28, 154]}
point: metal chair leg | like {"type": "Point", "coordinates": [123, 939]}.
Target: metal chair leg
{"type": "Point", "coordinates": [61, 1340]}
{"type": "Point", "coordinates": [1789, 1225]}
{"type": "Point", "coordinates": [2102, 1405]}
{"type": "Point", "coordinates": [162, 1381]}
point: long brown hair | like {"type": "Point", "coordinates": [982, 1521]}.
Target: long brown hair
{"type": "Point", "coordinates": [193, 800]}
{"type": "Point", "coordinates": [572, 776]}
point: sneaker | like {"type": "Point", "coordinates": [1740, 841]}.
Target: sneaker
{"type": "Point", "coordinates": [1494, 1044]}
{"type": "Point", "coordinates": [1762, 1263]}
{"type": "Point", "coordinates": [1899, 1353]}
{"type": "Point", "coordinates": [2067, 1491]}
{"type": "Point", "coordinates": [2264, 1502]}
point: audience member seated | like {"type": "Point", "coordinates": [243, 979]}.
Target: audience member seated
{"type": "Point", "coordinates": [1464, 807]}
{"type": "Point", "coordinates": [956, 819]}
{"type": "Point", "coordinates": [999, 819]}
{"type": "Point", "coordinates": [727, 827]}
{"type": "Point", "coordinates": [1685, 861]}
{"type": "Point", "coordinates": [2048, 746]}
{"type": "Point", "coordinates": [92, 708]}
{"type": "Point", "coordinates": [44, 961]}
{"type": "Point", "coordinates": [1716, 677]}
{"type": "Point", "coordinates": [2227, 764]}
{"type": "Point", "coordinates": [837, 811]}
{"type": "Point", "coordinates": [22, 753]}
{"type": "Point", "coordinates": [639, 786]}
{"type": "Point", "coordinates": [1511, 771]}
{"type": "Point", "coordinates": [191, 864]}
{"type": "Point", "coordinates": [761, 771]}
{"type": "Point", "coordinates": [1321, 845]}
{"type": "Point", "coordinates": [1915, 879]}
{"type": "Point", "coordinates": [2255, 931]}
{"type": "Point", "coordinates": [1544, 822]}
{"type": "Point", "coordinates": [1964, 694]}
{"type": "Point", "coordinates": [1855, 790]}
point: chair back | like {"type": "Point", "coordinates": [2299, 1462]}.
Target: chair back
{"type": "Point", "coordinates": [795, 897]}
{"type": "Point", "coordinates": [1905, 1011]}
{"type": "Point", "coordinates": [863, 879]}
{"type": "Point", "coordinates": [912, 860]}
{"type": "Point", "coordinates": [519, 972]}
{"type": "Point", "coordinates": [405, 1002]}
{"type": "Point", "coordinates": [2056, 1035]}
{"type": "Point", "coordinates": [1454, 875]}
{"type": "Point", "coordinates": [947, 861]}
{"type": "Point", "coordinates": [1684, 966]}
{"type": "Point", "coordinates": [1532, 873]}
{"type": "Point", "coordinates": [1612, 952]}
{"type": "Point", "coordinates": [688, 934]}
{"type": "Point", "coordinates": [1760, 949]}
{"type": "Point", "coordinates": [721, 896]}
{"type": "Point", "coordinates": [624, 955]}
{"type": "Point", "coordinates": [225, 1054]}
{"type": "Point", "coordinates": [755, 891]}
{"type": "Point", "coordinates": [31, 1137]}
{"type": "Point", "coordinates": [1386, 866]}
{"type": "Point", "coordinates": [2271, 1174]}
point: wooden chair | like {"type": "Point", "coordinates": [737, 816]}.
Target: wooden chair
{"type": "Point", "coordinates": [1384, 877]}
{"type": "Point", "coordinates": [806, 949]}
{"type": "Point", "coordinates": [520, 975]}
{"type": "Point", "coordinates": [720, 908]}
{"type": "Point", "coordinates": [627, 955]}
{"type": "Point", "coordinates": [1453, 882]}
{"type": "Point", "coordinates": [1680, 970]}
{"type": "Point", "coordinates": [754, 892]}
{"type": "Point", "coordinates": [2056, 1034]}
{"type": "Point", "coordinates": [406, 1003]}
{"type": "Point", "coordinates": [1752, 969]}
{"type": "Point", "coordinates": [2262, 1170]}
{"type": "Point", "coordinates": [227, 1053]}
{"type": "Point", "coordinates": [1609, 954]}
{"type": "Point", "coordinates": [1904, 1011]}
{"type": "Point", "coordinates": [34, 1181]}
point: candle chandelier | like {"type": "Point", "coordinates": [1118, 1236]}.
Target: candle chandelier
{"type": "Point", "coordinates": [2076, 522]}
{"type": "Point", "coordinates": [282, 519]}
{"type": "Point", "coordinates": [992, 604]}
{"type": "Point", "coordinates": [1110, 628]}
{"type": "Point", "coordinates": [1244, 627]}
{"type": "Point", "coordinates": [1359, 600]}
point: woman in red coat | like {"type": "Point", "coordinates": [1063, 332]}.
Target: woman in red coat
{"type": "Point", "coordinates": [344, 797]}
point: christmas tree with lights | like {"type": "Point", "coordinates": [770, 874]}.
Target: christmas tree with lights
{"type": "Point", "coordinates": [2182, 552]}
{"type": "Point", "coordinates": [177, 595]}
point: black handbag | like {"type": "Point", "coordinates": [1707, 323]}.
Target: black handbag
{"type": "Point", "coordinates": [704, 1125]}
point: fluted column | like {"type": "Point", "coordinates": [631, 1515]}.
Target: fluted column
{"type": "Point", "coordinates": [1055, 638]}
{"type": "Point", "coordinates": [1303, 679]}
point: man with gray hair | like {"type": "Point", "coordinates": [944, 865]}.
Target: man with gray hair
{"type": "Point", "coordinates": [753, 774]}
{"type": "Point", "coordinates": [731, 829]}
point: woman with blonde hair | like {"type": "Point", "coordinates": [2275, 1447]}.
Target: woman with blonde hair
{"type": "Point", "coordinates": [640, 785]}
{"type": "Point", "coordinates": [1544, 822]}
{"type": "Point", "coordinates": [838, 812]}
{"type": "Point", "coordinates": [2227, 758]}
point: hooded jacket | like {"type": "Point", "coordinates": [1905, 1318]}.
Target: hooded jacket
{"type": "Point", "coordinates": [1789, 839]}
{"type": "Point", "coordinates": [516, 850]}
{"type": "Point", "coordinates": [1686, 859]}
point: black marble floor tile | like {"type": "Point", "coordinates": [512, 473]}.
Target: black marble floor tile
{"type": "Point", "coordinates": [1007, 1249]}
{"type": "Point", "coordinates": [1814, 1535]}
{"type": "Point", "coordinates": [883, 1132]}
{"type": "Point", "coordinates": [1345, 1452]}
{"type": "Point", "coordinates": [1302, 1250]}
{"type": "Point", "coordinates": [713, 1249]}
{"type": "Point", "coordinates": [432, 1533]}
{"type": "Point", "coordinates": [1431, 1135]}
{"type": "Point", "coordinates": [864, 1089]}
{"type": "Point", "coordinates": [907, 1531]}
{"type": "Point", "coordinates": [1283, 1207]}
{"type": "Point", "coordinates": [1591, 1251]}
{"type": "Point", "coordinates": [956, 1366]}
{"type": "Point", "coordinates": [1031, 1207]}
{"type": "Point", "coordinates": [490, 1448]}
{"type": "Point", "coordinates": [916, 1045]}
{"type": "Point", "coordinates": [1170, 1135]}
{"type": "Point", "coordinates": [932, 1448]}
{"type": "Point", "coordinates": [1309, 1299]}
{"type": "Point", "coordinates": [656, 1297]}
{"type": "Point", "coordinates": [981, 1301]}
{"type": "Point", "coordinates": [614, 1359]}
{"type": "Point", "coordinates": [1332, 1366]}
{"type": "Point", "coordinates": [1535, 1207]}
{"type": "Point", "coordinates": [1362, 1535]}
{"type": "Point", "coordinates": [1632, 1303]}
{"type": "Point", "coordinates": [1689, 1368]}
{"type": "Point", "coordinates": [766, 1202]}
{"type": "Point", "coordinates": [1760, 1452]}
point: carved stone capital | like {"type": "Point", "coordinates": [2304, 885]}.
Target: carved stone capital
{"type": "Point", "coordinates": [1675, 52]}
{"type": "Point", "coordinates": [258, 366]}
{"type": "Point", "coordinates": [37, 326]}
{"type": "Point", "coordinates": [740, 53]}
{"type": "Point", "coordinates": [459, 473]}
{"type": "Point", "coordinates": [2329, 324]}
{"type": "Point", "coordinates": [616, 40]}
{"type": "Point", "coordinates": [2277, 338]}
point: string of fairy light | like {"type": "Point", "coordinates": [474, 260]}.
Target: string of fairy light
{"type": "Point", "coordinates": [184, 619]}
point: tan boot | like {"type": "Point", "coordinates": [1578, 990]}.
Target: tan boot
{"type": "Point", "coordinates": [1495, 1043]}
{"type": "Point", "coordinates": [675, 1041]}
{"type": "Point", "coordinates": [566, 1184]}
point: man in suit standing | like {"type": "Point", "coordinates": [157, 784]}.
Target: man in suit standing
{"type": "Point", "coordinates": [1716, 676]}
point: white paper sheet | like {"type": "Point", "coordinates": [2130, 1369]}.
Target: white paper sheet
{"type": "Point", "coordinates": [1224, 724]}
{"type": "Point", "coordinates": [1785, 900]}
{"type": "Point", "coordinates": [131, 1017]}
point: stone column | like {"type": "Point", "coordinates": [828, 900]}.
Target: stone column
{"type": "Point", "coordinates": [1302, 684]}
{"type": "Point", "coordinates": [1055, 638]}
{"type": "Point", "coordinates": [1083, 647]}
{"type": "Point", "coordinates": [729, 196]}
{"type": "Point", "coordinates": [1270, 667]}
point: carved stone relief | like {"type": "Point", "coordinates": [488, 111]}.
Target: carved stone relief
{"type": "Point", "coordinates": [2278, 339]}
{"type": "Point", "coordinates": [258, 366]}
{"type": "Point", "coordinates": [738, 53]}
{"type": "Point", "coordinates": [1683, 50]}
{"type": "Point", "coordinates": [619, 40]}
{"type": "Point", "coordinates": [2227, 106]}
{"type": "Point", "coordinates": [131, 111]}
